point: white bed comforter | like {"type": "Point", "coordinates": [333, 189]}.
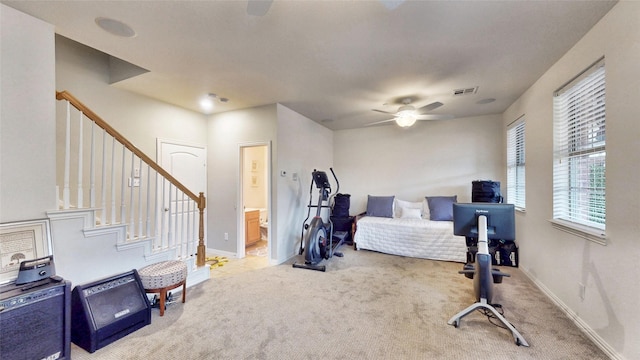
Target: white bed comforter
{"type": "Point", "coordinates": [411, 237]}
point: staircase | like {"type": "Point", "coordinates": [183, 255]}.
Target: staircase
{"type": "Point", "coordinates": [118, 209]}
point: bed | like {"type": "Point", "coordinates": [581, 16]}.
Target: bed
{"type": "Point", "coordinates": [414, 229]}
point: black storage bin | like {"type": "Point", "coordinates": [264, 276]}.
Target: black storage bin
{"type": "Point", "coordinates": [503, 252]}
{"type": "Point", "coordinates": [486, 191]}
{"type": "Point", "coordinates": [341, 204]}
{"type": "Point", "coordinates": [508, 254]}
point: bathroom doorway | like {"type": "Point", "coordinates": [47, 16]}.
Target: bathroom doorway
{"type": "Point", "coordinates": [255, 214]}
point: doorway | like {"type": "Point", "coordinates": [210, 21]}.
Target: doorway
{"type": "Point", "coordinates": [255, 210]}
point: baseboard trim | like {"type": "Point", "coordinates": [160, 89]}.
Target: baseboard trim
{"type": "Point", "coordinates": [201, 274]}
{"type": "Point", "coordinates": [222, 253]}
{"type": "Point", "coordinates": [577, 320]}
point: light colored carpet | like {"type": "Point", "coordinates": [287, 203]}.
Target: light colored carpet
{"type": "Point", "coordinates": [366, 306]}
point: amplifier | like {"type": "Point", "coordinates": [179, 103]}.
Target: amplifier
{"type": "Point", "coordinates": [35, 320]}
{"type": "Point", "coordinates": [107, 310]}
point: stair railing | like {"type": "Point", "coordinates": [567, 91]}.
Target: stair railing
{"type": "Point", "coordinates": [125, 186]}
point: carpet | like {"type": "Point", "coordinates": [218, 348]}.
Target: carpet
{"type": "Point", "coordinates": [366, 305]}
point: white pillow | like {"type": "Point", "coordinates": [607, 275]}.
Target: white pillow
{"type": "Point", "coordinates": [411, 213]}
{"type": "Point", "coordinates": [426, 213]}
{"type": "Point", "coordinates": [400, 204]}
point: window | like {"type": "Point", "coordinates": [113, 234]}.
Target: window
{"type": "Point", "coordinates": [579, 152]}
{"type": "Point", "coordinates": [515, 164]}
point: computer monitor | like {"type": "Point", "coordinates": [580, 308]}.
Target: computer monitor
{"type": "Point", "coordinates": [500, 220]}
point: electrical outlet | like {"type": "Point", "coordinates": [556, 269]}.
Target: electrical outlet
{"type": "Point", "coordinates": [136, 172]}
{"type": "Point", "coordinates": [226, 236]}
{"type": "Point", "coordinates": [582, 290]}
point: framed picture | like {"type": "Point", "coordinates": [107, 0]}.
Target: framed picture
{"type": "Point", "coordinates": [20, 241]}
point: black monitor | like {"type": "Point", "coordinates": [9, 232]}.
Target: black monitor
{"type": "Point", "coordinates": [500, 220]}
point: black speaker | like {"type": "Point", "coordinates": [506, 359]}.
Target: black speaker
{"type": "Point", "coordinates": [35, 320]}
{"type": "Point", "coordinates": [107, 310]}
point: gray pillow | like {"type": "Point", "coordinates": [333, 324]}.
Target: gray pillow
{"type": "Point", "coordinates": [380, 206]}
{"type": "Point", "coordinates": [441, 207]}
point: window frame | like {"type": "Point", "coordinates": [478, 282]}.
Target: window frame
{"type": "Point", "coordinates": [516, 163]}
{"type": "Point", "coordinates": [579, 154]}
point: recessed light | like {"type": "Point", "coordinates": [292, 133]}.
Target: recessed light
{"type": "Point", "coordinates": [206, 104]}
{"type": "Point", "coordinates": [115, 27]}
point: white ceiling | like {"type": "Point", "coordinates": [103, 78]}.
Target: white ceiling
{"type": "Point", "coordinates": [332, 61]}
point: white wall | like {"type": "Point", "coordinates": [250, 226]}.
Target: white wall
{"type": "Point", "coordinates": [303, 145]}
{"type": "Point", "coordinates": [559, 261]}
{"type": "Point", "coordinates": [298, 145]}
{"type": "Point", "coordinates": [84, 72]}
{"type": "Point", "coordinates": [226, 133]}
{"type": "Point", "coordinates": [430, 158]}
{"type": "Point", "coordinates": [27, 119]}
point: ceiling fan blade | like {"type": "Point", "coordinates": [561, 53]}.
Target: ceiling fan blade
{"type": "Point", "coordinates": [435, 117]}
{"type": "Point", "coordinates": [380, 122]}
{"type": "Point", "coordinates": [384, 112]}
{"type": "Point", "coordinates": [429, 107]}
{"type": "Point", "coordinates": [258, 7]}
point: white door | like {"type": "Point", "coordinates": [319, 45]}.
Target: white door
{"type": "Point", "coordinates": [187, 163]}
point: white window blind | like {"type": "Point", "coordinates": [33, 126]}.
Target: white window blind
{"type": "Point", "coordinates": [579, 150]}
{"type": "Point", "coordinates": [516, 164]}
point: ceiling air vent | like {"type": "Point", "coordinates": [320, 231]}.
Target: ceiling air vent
{"type": "Point", "coordinates": [466, 91]}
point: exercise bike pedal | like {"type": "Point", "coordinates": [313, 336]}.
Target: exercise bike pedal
{"type": "Point", "coordinates": [338, 254]}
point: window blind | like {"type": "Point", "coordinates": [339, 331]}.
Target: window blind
{"type": "Point", "coordinates": [579, 150]}
{"type": "Point", "coordinates": [516, 164]}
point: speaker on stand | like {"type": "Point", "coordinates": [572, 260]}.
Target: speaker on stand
{"type": "Point", "coordinates": [35, 320]}
{"type": "Point", "coordinates": [107, 310]}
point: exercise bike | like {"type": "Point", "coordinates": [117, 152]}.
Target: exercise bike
{"type": "Point", "coordinates": [472, 220]}
{"type": "Point", "coordinates": [318, 236]}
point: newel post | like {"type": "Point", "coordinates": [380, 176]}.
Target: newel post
{"type": "Point", "coordinates": [202, 250]}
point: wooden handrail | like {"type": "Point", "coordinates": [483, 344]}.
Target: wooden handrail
{"type": "Point", "coordinates": [199, 199]}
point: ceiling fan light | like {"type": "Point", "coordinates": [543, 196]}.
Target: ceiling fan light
{"type": "Point", "coordinates": [405, 119]}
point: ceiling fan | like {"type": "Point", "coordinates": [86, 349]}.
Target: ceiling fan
{"type": "Point", "coordinates": [407, 114]}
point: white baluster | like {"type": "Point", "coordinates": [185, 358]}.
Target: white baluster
{"type": "Point", "coordinates": [80, 202]}
{"type": "Point", "coordinates": [113, 181]}
{"type": "Point", "coordinates": [164, 213]}
{"type": "Point", "coordinates": [183, 239]}
{"type": "Point", "coordinates": [157, 208]}
{"type": "Point", "coordinates": [123, 186]}
{"type": "Point", "coordinates": [92, 168]}
{"type": "Point", "coordinates": [103, 202]}
{"type": "Point", "coordinates": [132, 229]}
{"type": "Point", "coordinates": [140, 200]}
{"type": "Point", "coordinates": [189, 228]}
{"type": "Point", "coordinates": [67, 160]}
{"type": "Point", "coordinates": [148, 212]}
{"type": "Point", "coordinates": [170, 235]}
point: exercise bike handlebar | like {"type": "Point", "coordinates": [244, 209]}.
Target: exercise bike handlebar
{"type": "Point", "coordinates": [336, 179]}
